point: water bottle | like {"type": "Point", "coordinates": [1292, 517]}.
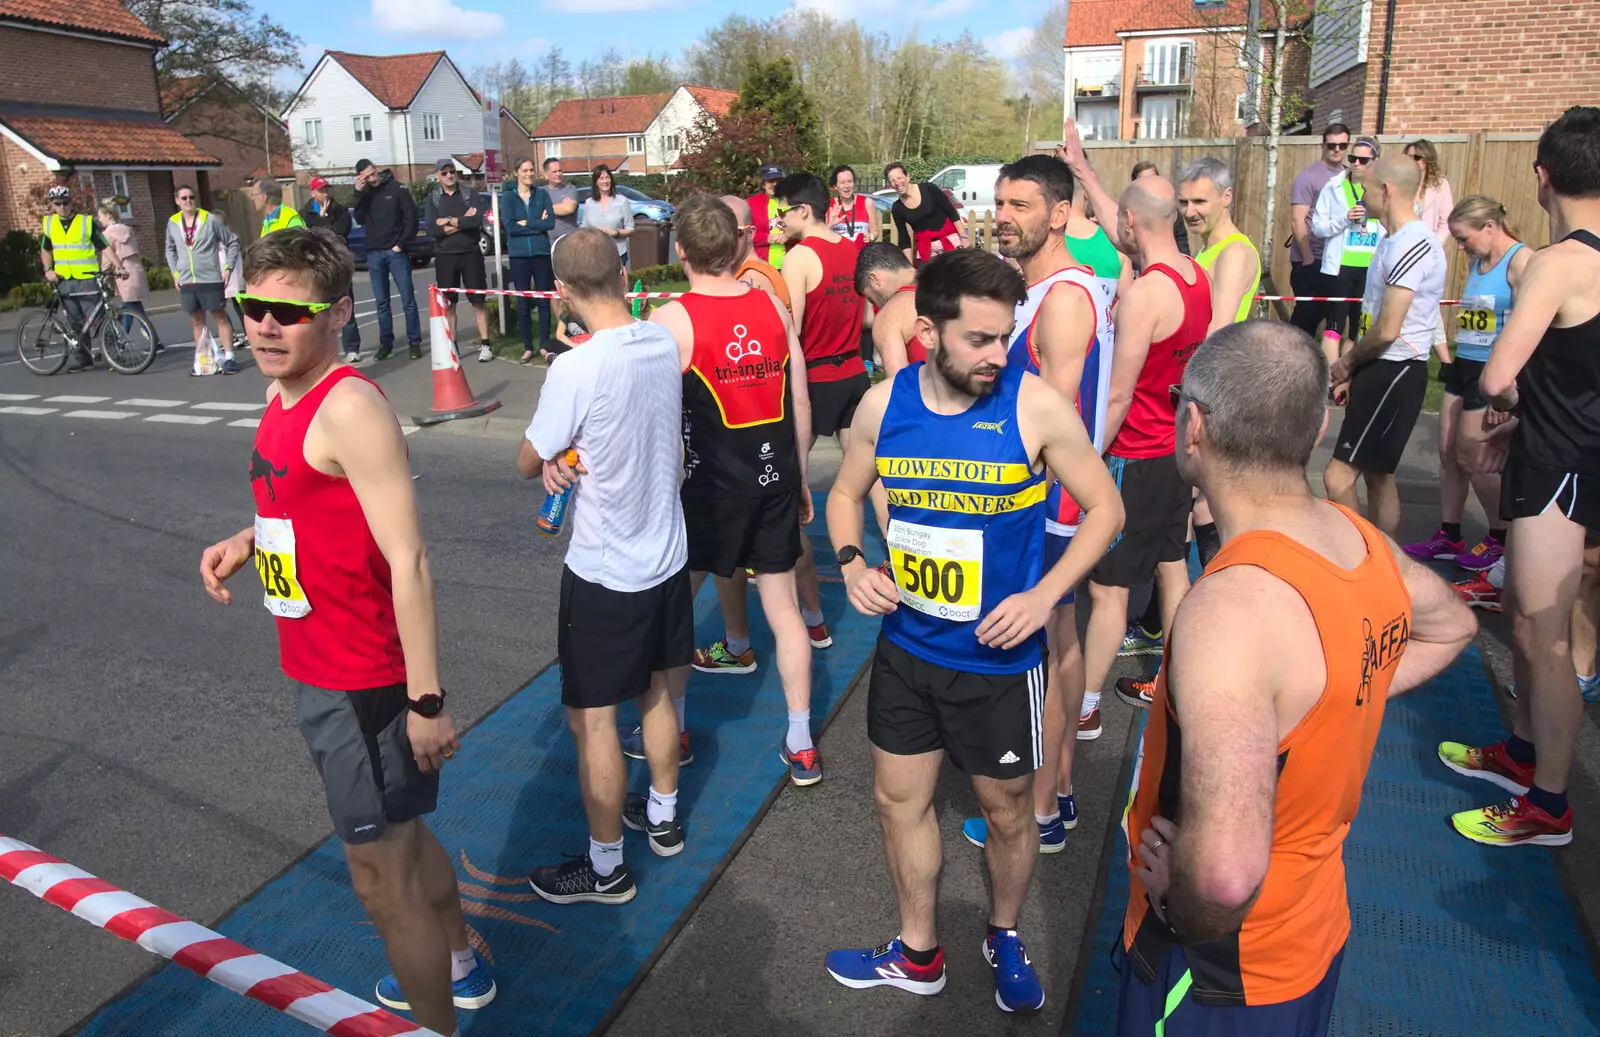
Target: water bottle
{"type": "Point", "coordinates": [554, 512]}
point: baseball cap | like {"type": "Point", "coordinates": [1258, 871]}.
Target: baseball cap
{"type": "Point", "coordinates": [363, 164]}
{"type": "Point", "coordinates": [772, 172]}
{"type": "Point", "coordinates": [317, 184]}
{"type": "Point", "coordinates": [443, 164]}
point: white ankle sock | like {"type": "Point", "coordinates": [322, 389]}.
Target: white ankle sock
{"type": "Point", "coordinates": [606, 857]}
{"type": "Point", "coordinates": [681, 706]}
{"type": "Point", "coordinates": [737, 645]}
{"type": "Point", "coordinates": [663, 806]}
{"type": "Point", "coordinates": [462, 963]}
{"type": "Point", "coordinates": [799, 736]}
{"type": "Point", "coordinates": [1091, 702]}
{"type": "Point", "coordinates": [1043, 820]}
{"type": "Point", "coordinates": [812, 619]}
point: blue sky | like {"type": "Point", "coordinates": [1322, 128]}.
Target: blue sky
{"type": "Point", "coordinates": [479, 31]}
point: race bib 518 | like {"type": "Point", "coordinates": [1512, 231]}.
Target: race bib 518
{"type": "Point", "coordinates": [939, 572]}
{"type": "Point", "coordinates": [1477, 324]}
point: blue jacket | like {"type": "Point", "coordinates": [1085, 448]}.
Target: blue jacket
{"type": "Point", "coordinates": [533, 239]}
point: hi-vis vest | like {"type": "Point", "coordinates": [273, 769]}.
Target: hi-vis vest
{"type": "Point", "coordinates": [72, 246]}
{"type": "Point", "coordinates": [286, 217]}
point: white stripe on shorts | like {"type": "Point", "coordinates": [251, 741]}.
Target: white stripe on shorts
{"type": "Point", "coordinates": [1377, 411]}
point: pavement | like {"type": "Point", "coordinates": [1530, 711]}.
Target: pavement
{"type": "Point", "coordinates": [150, 738]}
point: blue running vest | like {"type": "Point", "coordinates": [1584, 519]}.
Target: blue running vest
{"type": "Point", "coordinates": [966, 522]}
{"type": "Point", "coordinates": [1485, 308]}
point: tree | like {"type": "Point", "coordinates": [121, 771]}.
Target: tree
{"type": "Point", "coordinates": [721, 57]}
{"type": "Point", "coordinates": [725, 156]}
{"type": "Point", "coordinates": [771, 88]}
{"type": "Point", "coordinates": [649, 75]}
{"type": "Point", "coordinates": [218, 39]}
{"type": "Point", "coordinates": [1039, 66]}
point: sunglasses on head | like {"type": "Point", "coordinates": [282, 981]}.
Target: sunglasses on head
{"type": "Point", "coordinates": [284, 311]}
{"type": "Point", "coordinates": [1360, 160]}
{"type": "Point", "coordinates": [1175, 393]}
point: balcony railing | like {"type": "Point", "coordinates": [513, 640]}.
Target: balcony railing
{"type": "Point", "coordinates": [1174, 74]}
{"type": "Point", "coordinates": [1106, 86]}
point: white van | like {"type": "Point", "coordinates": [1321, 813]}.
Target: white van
{"type": "Point", "coordinates": [972, 187]}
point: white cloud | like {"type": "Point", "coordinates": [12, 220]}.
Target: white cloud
{"type": "Point", "coordinates": [1008, 44]}
{"type": "Point", "coordinates": [438, 19]}
{"type": "Point", "coordinates": [944, 9]}
{"type": "Point", "coordinates": [586, 6]}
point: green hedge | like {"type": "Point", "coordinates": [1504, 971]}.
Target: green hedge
{"type": "Point", "coordinates": [19, 259]}
{"type": "Point", "coordinates": [30, 293]}
{"type": "Point", "coordinates": [160, 277]}
{"type": "Point", "coordinates": [654, 275]}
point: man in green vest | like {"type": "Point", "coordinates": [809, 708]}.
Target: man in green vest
{"type": "Point", "coordinates": [267, 195]}
{"type": "Point", "coordinates": [69, 249]}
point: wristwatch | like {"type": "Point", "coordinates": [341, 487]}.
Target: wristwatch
{"type": "Point", "coordinates": [428, 706]}
{"type": "Point", "coordinates": [848, 554]}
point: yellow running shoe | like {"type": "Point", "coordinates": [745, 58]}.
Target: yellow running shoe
{"type": "Point", "coordinates": [1514, 823]}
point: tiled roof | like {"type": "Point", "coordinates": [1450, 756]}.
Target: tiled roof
{"type": "Point", "coordinates": [107, 17]}
{"type": "Point", "coordinates": [602, 116]}
{"type": "Point", "coordinates": [109, 141]}
{"type": "Point", "coordinates": [585, 163]}
{"type": "Point", "coordinates": [282, 167]}
{"type": "Point", "coordinates": [1095, 23]}
{"type": "Point", "coordinates": [715, 101]}
{"type": "Point", "coordinates": [393, 79]}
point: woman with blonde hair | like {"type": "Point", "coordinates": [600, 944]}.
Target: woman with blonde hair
{"type": "Point", "coordinates": [122, 259]}
{"type": "Point", "coordinates": [1498, 256]}
{"type": "Point", "coordinates": [1434, 202]}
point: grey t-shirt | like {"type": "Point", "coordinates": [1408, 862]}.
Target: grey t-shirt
{"type": "Point", "coordinates": [564, 224]}
{"type": "Point", "coordinates": [1306, 187]}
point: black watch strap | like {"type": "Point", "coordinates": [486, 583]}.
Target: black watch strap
{"type": "Point", "coordinates": [427, 705]}
{"type": "Point", "coordinates": [848, 554]}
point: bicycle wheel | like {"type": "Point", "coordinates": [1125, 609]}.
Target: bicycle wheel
{"type": "Point", "coordinates": [41, 344]}
{"type": "Point", "coordinates": [130, 351]}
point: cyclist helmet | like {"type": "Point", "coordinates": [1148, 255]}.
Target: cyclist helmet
{"type": "Point", "coordinates": [58, 192]}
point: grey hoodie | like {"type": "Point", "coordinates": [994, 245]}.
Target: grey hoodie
{"type": "Point", "coordinates": [198, 262]}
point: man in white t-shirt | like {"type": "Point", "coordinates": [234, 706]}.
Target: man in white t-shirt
{"type": "Point", "coordinates": [626, 614]}
{"type": "Point", "coordinates": [1385, 374]}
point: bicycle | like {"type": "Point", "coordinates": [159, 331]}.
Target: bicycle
{"type": "Point", "coordinates": [45, 338]}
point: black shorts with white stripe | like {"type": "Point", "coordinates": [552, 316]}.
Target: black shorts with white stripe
{"type": "Point", "coordinates": [987, 723]}
{"type": "Point", "coordinates": [1526, 491]}
{"type": "Point", "coordinates": [1385, 399]}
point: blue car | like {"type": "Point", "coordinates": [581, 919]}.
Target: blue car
{"type": "Point", "coordinates": [421, 248]}
{"type": "Point", "coordinates": [643, 205]}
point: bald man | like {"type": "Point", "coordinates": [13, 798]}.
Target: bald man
{"type": "Point", "coordinates": [1387, 369]}
{"type": "Point", "coordinates": [1159, 324]}
{"type": "Point", "coordinates": [752, 271]}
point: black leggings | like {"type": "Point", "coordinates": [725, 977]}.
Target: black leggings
{"type": "Point", "coordinates": [1343, 317]}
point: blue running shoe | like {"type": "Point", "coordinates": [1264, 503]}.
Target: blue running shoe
{"type": "Point", "coordinates": [1016, 984]}
{"type": "Point", "coordinates": [1068, 805]}
{"type": "Point", "coordinates": [633, 746]}
{"type": "Point", "coordinates": [805, 766]}
{"type": "Point", "coordinates": [474, 990]}
{"type": "Point", "coordinates": [1052, 837]}
{"type": "Point", "coordinates": [886, 966]}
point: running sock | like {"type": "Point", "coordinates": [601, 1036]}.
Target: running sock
{"type": "Point", "coordinates": [739, 645]}
{"type": "Point", "coordinates": [663, 806]}
{"type": "Point", "coordinates": [227, 354]}
{"type": "Point", "coordinates": [1091, 702]}
{"type": "Point", "coordinates": [996, 930]}
{"type": "Point", "coordinates": [812, 619]}
{"type": "Point", "coordinates": [1520, 750]}
{"type": "Point", "coordinates": [922, 959]}
{"type": "Point", "coordinates": [681, 706]}
{"type": "Point", "coordinates": [1498, 535]}
{"type": "Point", "coordinates": [1451, 530]}
{"type": "Point", "coordinates": [1208, 541]}
{"type": "Point", "coordinates": [461, 964]}
{"type": "Point", "coordinates": [1150, 621]}
{"type": "Point", "coordinates": [1045, 820]}
{"type": "Point", "coordinates": [799, 737]}
{"type": "Point", "coordinates": [606, 857]}
{"type": "Point", "coordinates": [1552, 803]}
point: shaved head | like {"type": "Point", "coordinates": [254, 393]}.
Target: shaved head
{"type": "Point", "coordinates": [1146, 211]}
{"type": "Point", "coordinates": [741, 216]}
{"type": "Point", "coordinates": [1398, 171]}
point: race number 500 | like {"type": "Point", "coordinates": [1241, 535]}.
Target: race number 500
{"type": "Point", "coordinates": [939, 572]}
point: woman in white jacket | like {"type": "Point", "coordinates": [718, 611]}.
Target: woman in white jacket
{"type": "Point", "coordinates": [1350, 239]}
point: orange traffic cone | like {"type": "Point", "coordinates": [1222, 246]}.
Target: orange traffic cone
{"type": "Point", "coordinates": [451, 397]}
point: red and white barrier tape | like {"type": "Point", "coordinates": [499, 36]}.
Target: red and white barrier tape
{"type": "Point", "coordinates": [552, 295]}
{"type": "Point", "coordinates": [1331, 298]}
{"type": "Point", "coordinates": [196, 948]}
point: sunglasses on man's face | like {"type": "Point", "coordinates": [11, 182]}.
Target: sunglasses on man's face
{"type": "Point", "coordinates": [1336, 145]}
{"type": "Point", "coordinates": [284, 311]}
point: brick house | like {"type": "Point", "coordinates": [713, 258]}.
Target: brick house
{"type": "Point", "coordinates": [223, 121]}
{"type": "Point", "coordinates": [1489, 66]}
{"type": "Point", "coordinates": [101, 132]}
{"type": "Point", "coordinates": [641, 133]}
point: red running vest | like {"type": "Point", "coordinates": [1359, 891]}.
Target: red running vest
{"type": "Point", "coordinates": [326, 581]}
{"type": "Point", "coordinates": [915, 354]}
{"type": "Point", "coordinates": [1150, 429]}
{"type": "Point", "coordinates": [830, 331]}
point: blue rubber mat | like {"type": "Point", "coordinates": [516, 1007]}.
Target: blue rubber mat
{"type": "Point", "coordinates": [1447, 937]}
{"type": "Point", "coordinates": [510, 803]}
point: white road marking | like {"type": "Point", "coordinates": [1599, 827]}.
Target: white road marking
{"type": "Point", "coordinates": [101, 415]}
{"type": "Point", "coordinates": [29, 410]}
{"type": "Point", "coordinates": [18, 397]}
{"type": "Point", "coordinates": [245, 423]}
{"type": "Point", "coordinates": [140, 401]}
{"type": "Point", "coordinates": [230, 406]}
{"type": "Point", "coordinates": [77, 399]}
{"type": "Point", "coordinates": [182, 419]}
{"type": "Point", "coordinates": [406, 430]}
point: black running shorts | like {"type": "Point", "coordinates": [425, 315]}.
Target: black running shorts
{"type": "Point", "coordinates": [610, 642]}
{"type": "Point", "coordinates": [359, 744]}
{"type": "Point", "coordinates": [1526, 491]}
{"type": "Point", "coordinates": [461, 270]}
{"type": "Point", "coordinates": [987, 723]}
{"type": "Point", "coordinates": [727, 534]}
{"type": "Point", "coordinates": [1461, 379]}
{"type": "Point", "coordinates": [833, 404]}
{"type": "Point", "coordinates": [1385, 399]}
{"type": "Point", "coordinates": [1157, 502]}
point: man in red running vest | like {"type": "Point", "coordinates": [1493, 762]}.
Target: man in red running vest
{"type": "Point", "coordinates": [1159, 324]}
{"type": "Point", "coordinates": [820, 270]}
{"type": "Point", "coordinates": [338, 544]}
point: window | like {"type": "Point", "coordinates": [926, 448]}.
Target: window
{"type": "Point", "coordinates": [313, 134]}
{"type": "Point", "coordinates": [674, 142]}
{"type": "Point", "coordinates": [119, 189]}
{"type": "Point", "coordinates": [1159, 118]}
{"type": "Point", "coordinates": [363, 128]}
{"type": "Point", "coordinates": [552, 149]}
{"type": "Point", "coordinates": [635, 145]}
{"type": "Point", "coordinates": [951, 179]}
{"type": "Point", "coordinates": [1097, 121]}
{"type": "Point", "coordinates": [1242, 110]}
{"type": "Point", "coordinates": [433, 127]}
{"type": "Point", "coordinates": [1168, 62]}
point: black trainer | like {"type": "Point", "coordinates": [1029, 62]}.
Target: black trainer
{"type": "Point", "coordinates": [416, 351]}
{"type": "Point", "coordinates": [575, 882]}
{"type": "Point", "coordinates": [383, 353]}
{"type": "Point", "coordinates": [666, 839]}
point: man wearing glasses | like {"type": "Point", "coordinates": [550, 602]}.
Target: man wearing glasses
{"type": "Point", "coordinates": [454, 215]}
{"type": "Point", "coordinates": [69, 249]}
{"type": "Point", "coordinates": [201, 253]}
{"type": "Point", "coordinates": [1305, 251]}
{"type": "Point", "coordinates": [753, 271]}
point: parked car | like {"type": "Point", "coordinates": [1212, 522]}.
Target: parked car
{"type": "Point", "coordinates": [641, 204]}
{"type": "Point", "coordinates": [970, 187]}
{"type": "Point", "coordinates": [421, 249]}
